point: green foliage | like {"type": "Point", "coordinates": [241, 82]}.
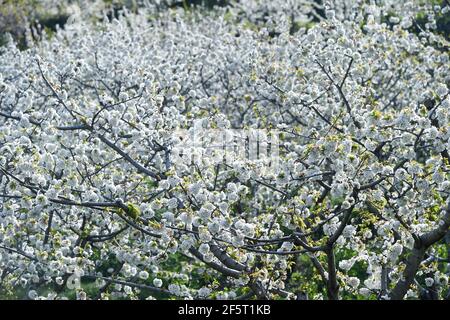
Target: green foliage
{"type": "Point", "coordinates": [133, 211]}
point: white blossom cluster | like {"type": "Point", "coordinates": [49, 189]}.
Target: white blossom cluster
{"type": "Point", "coordinates": [90, 191]}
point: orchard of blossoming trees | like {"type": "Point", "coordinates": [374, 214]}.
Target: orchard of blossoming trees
{"type": "Point", "coordinates": [99, 201]}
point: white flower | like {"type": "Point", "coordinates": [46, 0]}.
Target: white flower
{"type": "Point", "coordinates": [429, 282]}
{"type": "Point", "coordinates": [441, 90]}
{"type": "Point", "coordinates": [128, 290]}
{"type": "Point", "coordinates": [41, 199]}
{"type": "Point", "coordinates": [233, 197]}
{"type": "Point", "coordinates": [157, 282]}
{"type": "Point", "coordinates": [286, 246]}
{"type": "Point", "coordinates": [353, 282]}
{"type": "Point", "coordinates": [204, 213]}
{"type": "Point", "coordinates": [365, 292]}
{"type": "Point", "coordinates": [186, 218]}
{"type": "Point", "coordinates": [143, 275]}
{"type": "Point", "coordinates": [81, 295]}
{"type": "Point", "coordinates": [348, 231]}
{"type": "Point", "coordinates": [395, 251]}
{"type": "Point", "coordinates": [204, 248]}
{"type": "Point", "coordinates": [195, 188]}
{"type": "Point", "coordinates": [32, 294]}
{"type": "Point", "coordinates": [169, 216]}
{"type": "Point", "coordinates": [204, 292]}
{"type": "Point", "coordinates": [346, 265]}
{"type": "Point", "coordinates": [441, 279]}
{"type": "Point", "coordinates": [231, 187]}
{"type": "Point", "coordinates": [172, 203]}
{"type": "Point", "coordinates": [367, 234]}
{"type": "Point", "coordinates": [174, 289]}
{"type": "Point", "coordinates": [164, 184]}
{"type": "Point", "coordinates": [59, 280]}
